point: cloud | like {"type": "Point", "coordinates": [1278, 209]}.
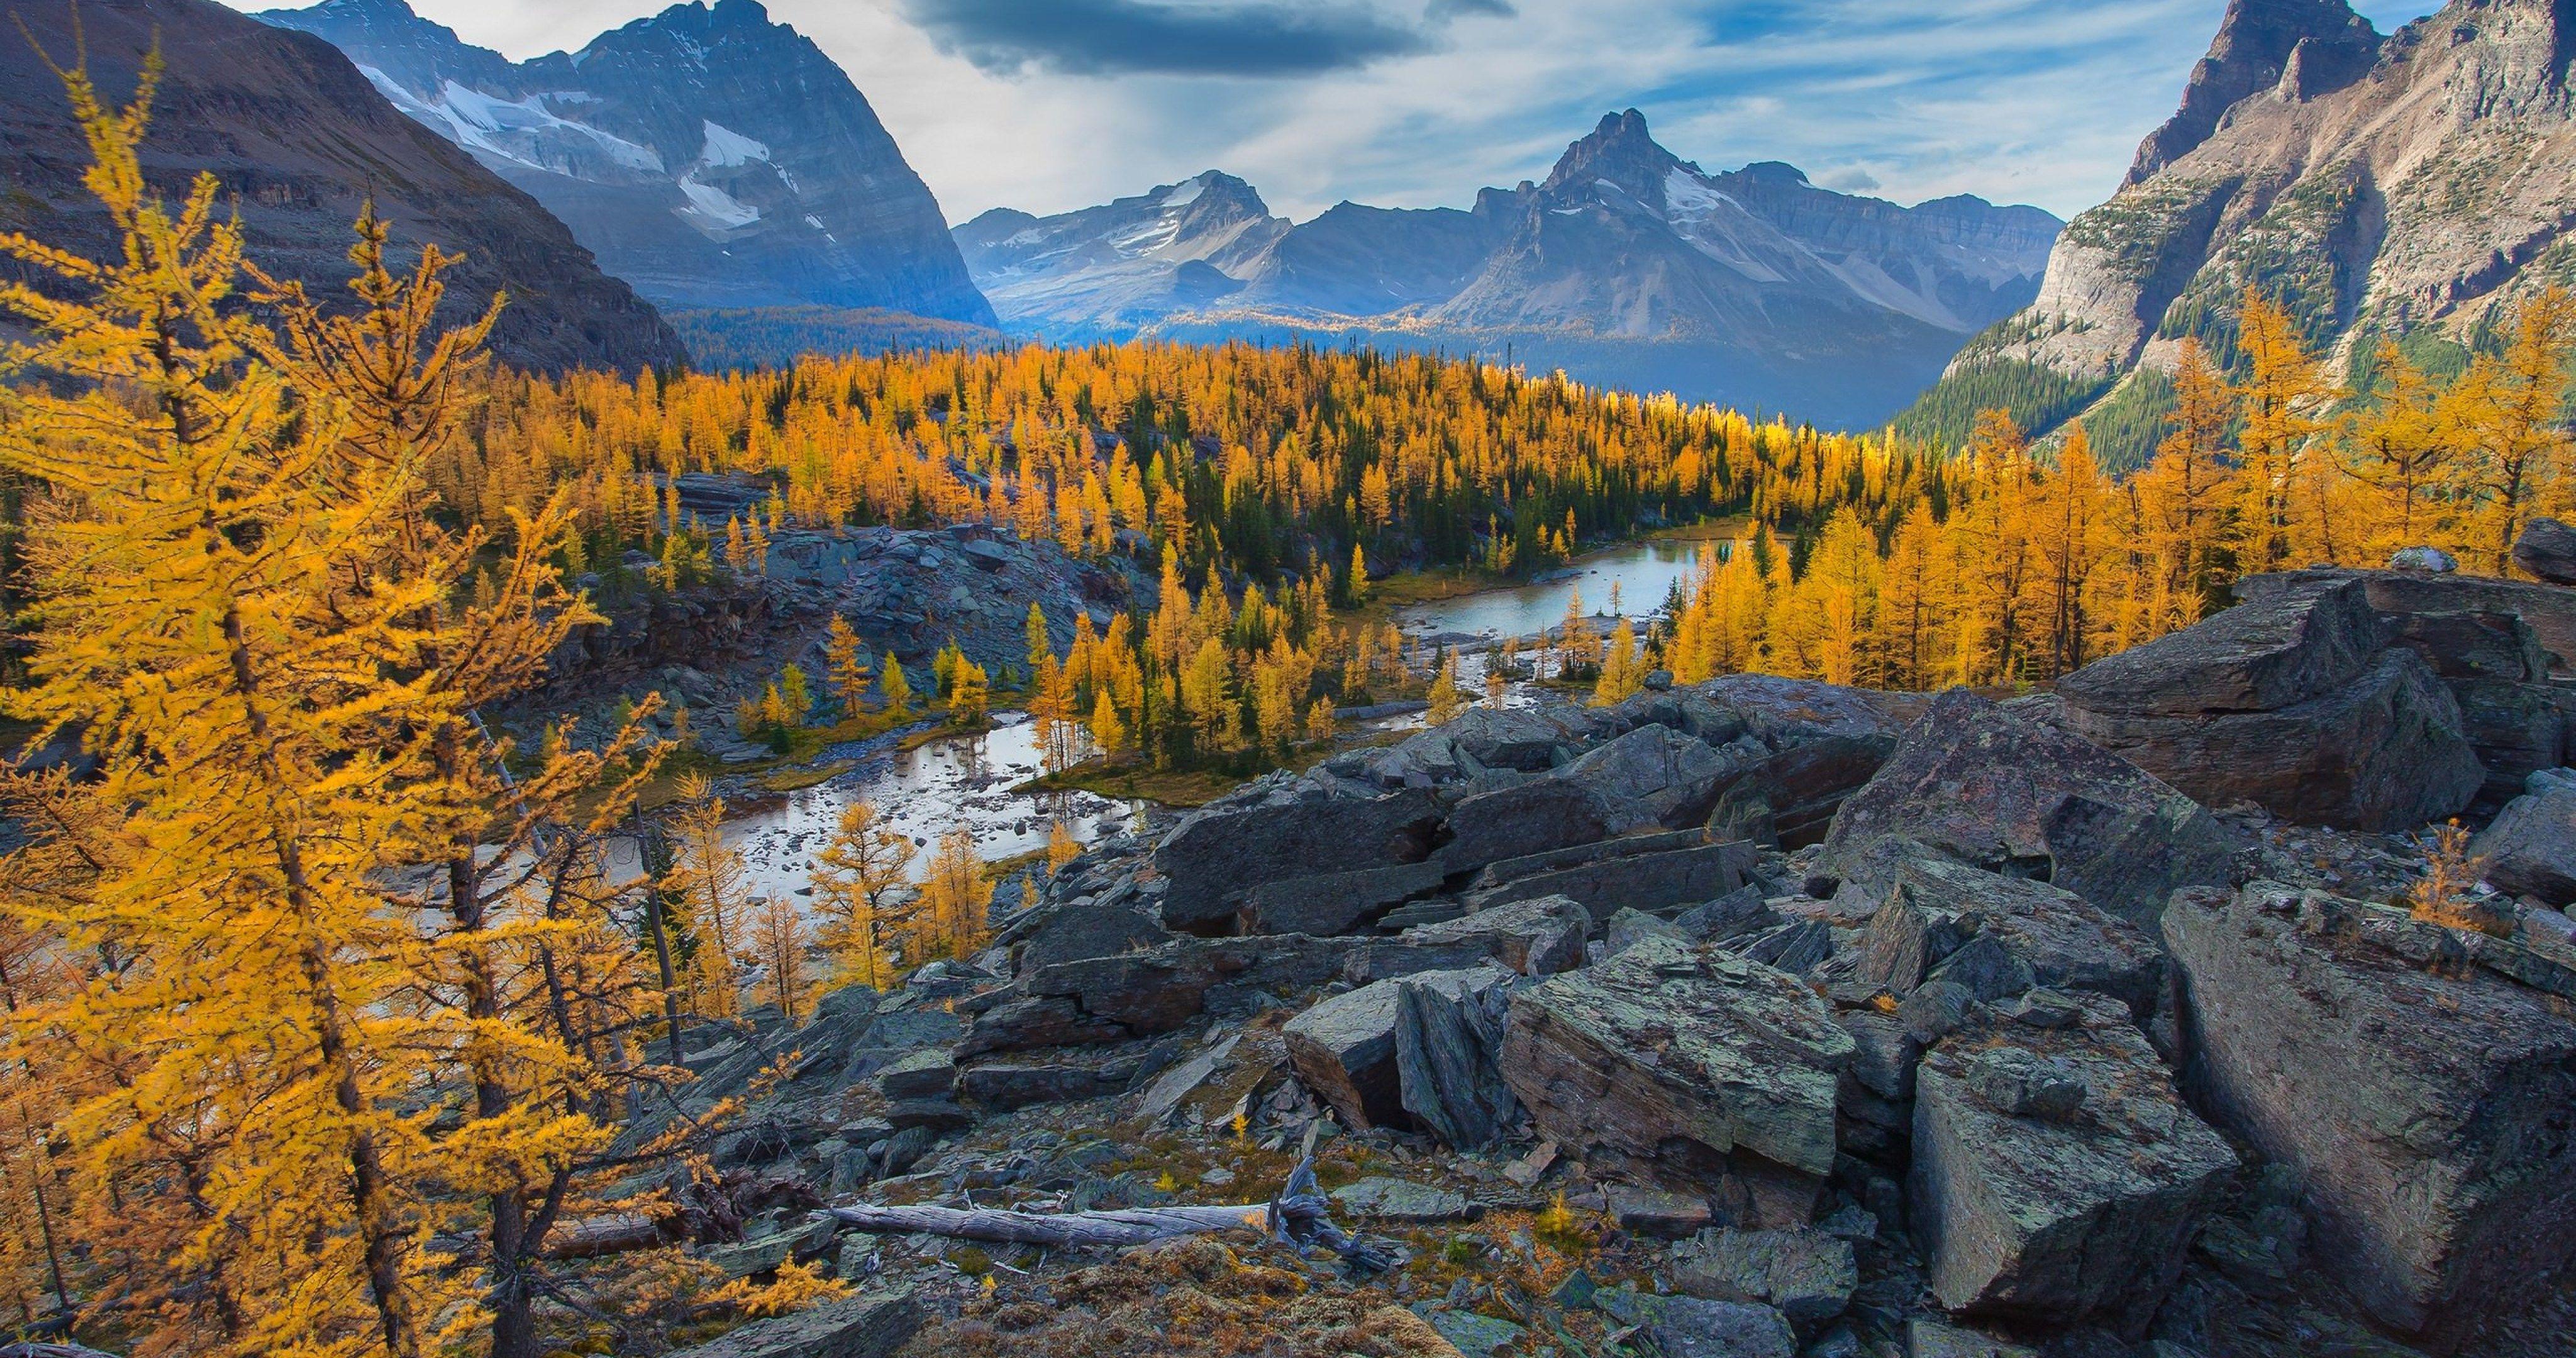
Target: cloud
{"type": "Point", "coordinates": [1853, 180]}
{"type": "Point", "coordinates": [1441, 11]}
{"type": "Point", "coordinates": [1226, 38]}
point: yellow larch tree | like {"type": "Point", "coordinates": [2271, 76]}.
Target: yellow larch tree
{"type": "Point", "coordinates": [859, 886]}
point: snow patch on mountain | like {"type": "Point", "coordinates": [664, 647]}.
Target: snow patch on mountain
{"type": "Point", "coordinates": [728, 147]}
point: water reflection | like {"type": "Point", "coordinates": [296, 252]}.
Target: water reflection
{"type": "Point", "coordinates": [1643, 571]}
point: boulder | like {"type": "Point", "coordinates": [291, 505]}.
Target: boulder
{"type": "Point", "coordinates": [1630, 927]}
{"type": "Point", "coordinates": [1216, 857]}
{"type": "Point", "coordinates": [2386, 751]}
{"type": "Point", "coordinates": [2001, 789]}
{"type": "Point", "coordinates": [1448, 1049]}
{"type": "Point", "coordinates": [2550, 611]}
{"type": "Point", "coordinates": [2267, 653]}
{"type": "Point", "coordinates": [1519, 866]}
{"type": "Point", "coordinates": [1664, 881]}
{"type": "Point", "coordinates": [2530, 849]}
{"type": "Point", "coordinates": [1142, 994]}
{"type": "Point", "coordinates": [1337, 902]}
{"type": "Point", "coordinates": [2057, 1175]}
{"type": "Point", "coordinates": [1789, 798]}
{"type": "Point", "coordinates": [870, 1325]}
{"type": "Point", "coordinates": [1528, 818]}
{"type": "Point", "coordinates": [1523, 738]}
{"type": "Point", "coordinates": [2547, 549]}
{"type": "Point", "coordinates": [1932, 1339]}
{"type": "Point", "coordinates": [1004, 1085]}
{"type": "Point", "coordinates": [1934, 908]}
{"type": "Point", "coordinates": [2421, 1103]}
{"type": "Point", "coordinates": [1401, 1200]}
{"type": "Point", "coordinates": [1808, 1275]}
{"type": "Point", "coordinates": [1657, 1213]}
{"type": "Point", "coordinates": [1344, 1050]}
{"type": "Point", "coordinates": [1744, 910]}
{"type": "Point", "coordinates": [1080, 929]}
{"type": "Point", "coordinates": [1685, 1067]}
{"type": "Point", "coordinates": [1695, 1327]}
{"type": "Point", "coordinates": [926, 1074]}
{"type": "Point", "coordinates": [1652, 776]}
{"type": "Point", "coordinates": [1540, 936]}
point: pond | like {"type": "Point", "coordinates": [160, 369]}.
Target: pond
{"type": "Point", "coordinates": [1643, 571]}
{"type": "Point", "coordinates": [924, 793]}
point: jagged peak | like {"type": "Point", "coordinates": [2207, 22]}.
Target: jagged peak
{"type": "Point", "coordinates": [2253, 50]}
{"type": "Point", "coordinates": [1619, 149]}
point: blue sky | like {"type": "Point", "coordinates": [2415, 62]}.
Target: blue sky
{"type": "Point", "coordinates": [1054, 104]}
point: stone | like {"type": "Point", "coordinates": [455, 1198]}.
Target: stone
{"type": "Point", "coordinates": [1522, 738]}
{"type": "Point", "coordinates": [1215, 858]}
{"type": "Point", "coordinates": [746, 1258]}
{"type": "Point", "coordinates": [1935, 907]}
{"type": "Point", "coordinates": [1808, 1275]}
{"type": "Point", "coordinates": [926, 1074]}
{"type": "Point", "coordinates": [2547, 548]}
{"type": "Point", "coordinates": [1540, 936]}
{"type": "Point", "coordinates": [1401, 1200]}
{"type": "Point", "coordinates": [1649, 882]}
{"type": "Point", "coordinates": [1476, 1336]}
{"type": "Point", "coordinates": [2283, 648]}
{"type": "Point", "coordinates": [1533, 817]}
{"type": "Point", "coordinates": [2421, 1109]}
{"type": "Point", "coordinates": [1932, 1339]}
{"type": "Point", "coordinates": [1580, 855]}
{"type": "Point", "coordinates": [1652, 776]}
{"type": "Point", "coordinates": [1158, 991]}
{"type": "Point", "coordinates": [2549, 610]}
{"type": "Point", "coordinates": [1882, 1053]}
{"type": "Point", "coordinates": [1337, 902]}
{"type": "Point", "coordinates": [1641, 1209]}
{"type": "Point", "coordinates": [2387, 751]}
{"type": "Point", "coordinates": [1078, 931]}
{"type": "Point", "coordinates": [937, 1115]}
{"type": "Point", "coordinates": [869, 1325]}
{"type": "Point", "coordinates": [1635, 926]}
{"type": "Point", "coordinates": [1002, 1086]}
{"type": "Point", "coordinates": [1744, 910]}
{"type": "Point", "coordinates": [1683, 1067]}
{"type": "Point", "coordinates": [2530, 849]}
{"type": "Point", "coordinates": [1692, 1327]}
{"type": "Point", "coordinates": [1181, 1081]}
{"type": "Point", "coordinates": [2006, 791]}
{"type": "Point", "coordinates": [2057, 1174]}
{"type": "Point", "coordinates": [1448, 1043]}
{"type": "Point", "coordinates": [1796, 947]}
{"type": "Point", "coordinates": [1344, 1050]}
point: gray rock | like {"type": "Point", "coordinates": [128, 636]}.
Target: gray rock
{"type": "Point", "coordinates": [1634, 926]}
{"type": "Point", "coordinates": [870, 1325]}
{"type": "Point", "coordinates": [2547, 548]}
{"type": "Point", "coordinates": [1662, 1214]}
{"type": "Point", "coordinates": [1003, 1085]}
{"type": "Point", "coordinates": [2267, 653]}
{"type": "Point", "coordinates": [1337, 902]}
{"type": "Point", "coordinates": [1807, 1274]}
{"type": "Point", "coordinates": [1653, 775]}
{"type": "Point", "coordinates": [1522, 738]}
{"type": "Point", "coordinates": [1579, 855]}
{"type": "Point", "coordinates": [2005, 791]}
{"type": "Point", "coordinates": [1649, 882]}
{"type": "Point", "coordinates": [1344, 1050]}
{"type": "Point", "coordinates": [1473, 1335]}
{"type": "Point", "coordinates": [1540, 936]}
{"type": "Point", "coordinates": [1448, 1045]}
{"type": "Point", "coordinates": [1217, 856]}
{"type": "Point", "coordinates": [2432, 559]}
{"type": "Point", "coordinates": [1935, 907]}
{"type": "Point", "coordinates": [2530, 849]}
{"type": "Point", "coordinates": [927, 1074]}
{"type": "Point", "coordinates": [1533, 817]}
{"type": "Point", "coordinates": [1744, 910]}
{"type": "Point", "coordinates": [1796, 947]}
{"type": "Point", "coordinates": [1147, 993]}
{"type": "Point", "coordinates": [1932, 1339]}
{"type": "Point", "coordinates": [1403, 1201]}
{"type": "Point", "coordinates": [2057, 1175]}
{"type": "Point", "coordinates": [1682, 1066]}
{"type": "Point", "coordinates": [1692, 1327]}
{"type": "Point", "coordinates": [2420, 1108]}
{"type": "Point", "coordinates": [2548, 610]}
{"type": "Point", "coordinates": [2386, 751]}
{"type": "Point", "coordinates": [1181, 1081]}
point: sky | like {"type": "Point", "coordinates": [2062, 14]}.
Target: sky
{"type": "Point", "coordinates": [1049, 105]}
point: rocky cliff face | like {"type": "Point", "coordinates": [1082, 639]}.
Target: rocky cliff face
{"type": "Point", "coordinates": [708, 156]}
{"type": "Point", "coordinates": [2413, 183]}
{"type": "Point", "coordinates": [299, 140]}
{"type": "Point", "coordinates": [1628, 265]}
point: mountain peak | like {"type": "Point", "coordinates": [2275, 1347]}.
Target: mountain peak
{"type": "Point", "coordinates": [1619, 149]}
{"type": "Point", "coordinates": [2255, 47]}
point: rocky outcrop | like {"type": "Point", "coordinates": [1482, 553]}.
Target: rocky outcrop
{"type": "Point", "coordinates": [2417, 1095]}
{"type": "Point", "coordinates": [2547, 549]}
{"type": "Point", "coordinates": [2001, 788]}
{"type": "Point", "coordinates": [1935, 911]}
{"type": "Point", "coordinates": [299, 142]}
{"type": "Point", "coordinates": [2057, 1175]}
{"type": "Point", "coordinates": [2404, 184]}
{"type": "Point", "coordinates": [1686, 1068]}
{"type": "Point", "coordinates": [870, 1325]}
{"type": "Point", "coordinates": [2530, 848]}
{"type": "Point", "coordinates": [2290, 700]}
{"type": "Point", "coordinates": [1217, 858]}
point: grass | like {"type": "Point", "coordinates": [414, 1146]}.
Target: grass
{"type": "Point", "coordinates": [1137, 782]}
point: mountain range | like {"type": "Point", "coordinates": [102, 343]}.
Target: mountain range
{"type": "Point", "coordinates": [299, 141]}
{"type": "Point", "coordinates": [708, 156]}
{"type": "Point", "coordinates": [2410, 187]}
{"type": "Point", "coordinates": [1627, 264]}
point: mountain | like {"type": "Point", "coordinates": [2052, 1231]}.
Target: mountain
{"type": "Point", "coordinates": [708, 156]}
{"type": "Point", "coordinates": [2409, 187]}
{"type": "Point", "coordinates": [1627, 266]}
{"type": "Point", "coordinates": [300, 140]}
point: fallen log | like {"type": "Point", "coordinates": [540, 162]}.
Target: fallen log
{"type": "Point", "coordinates": [1298, 1217]}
